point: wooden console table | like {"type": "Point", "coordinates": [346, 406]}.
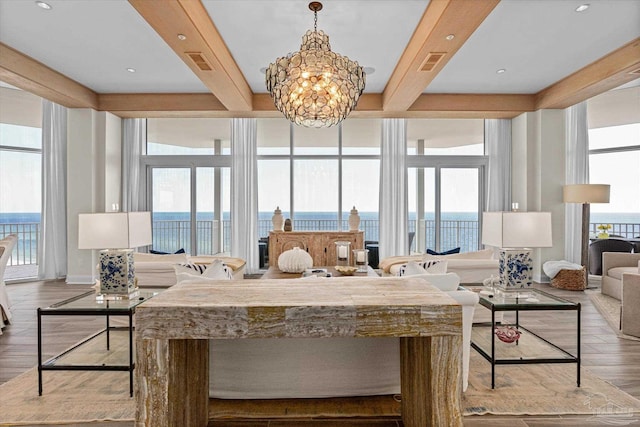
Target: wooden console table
{"type": "Point", "coordinates": [173, 331]}
{"type": "Point", "coordinates": [320, 244]}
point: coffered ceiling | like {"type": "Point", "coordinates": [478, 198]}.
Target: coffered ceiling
{"type": "Point", "coordinates": [78, 53]}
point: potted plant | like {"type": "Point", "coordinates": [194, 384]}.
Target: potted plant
{"type": "Point", "coordinates": [604, 228]}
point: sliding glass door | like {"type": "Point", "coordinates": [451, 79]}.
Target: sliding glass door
{"type": "Point", "coordinates": [185, 210]}
{"type": "Point", "coordinates": [444, 207]}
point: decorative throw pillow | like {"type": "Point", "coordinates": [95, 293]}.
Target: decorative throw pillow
{"type": "Point", "coordinates": [217, 270]}
{"type": "Point", "coordinates": [179, 251]}
{"type": "Point", "coordinates": [449, 252]}
{"type": "Point", "coordinates": [422, 267]}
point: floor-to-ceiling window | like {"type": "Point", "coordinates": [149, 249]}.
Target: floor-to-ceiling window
{"type": "Point", "coordinates": [20, 177]}
{"type": "Point", "coordinates": [188, 186]}
{"type": "Point", "coordinates": [316, 176]}
{"type": "Point", "coordinates": [446, 176]}
{"type": "Point", "coordinates": [614, 158]}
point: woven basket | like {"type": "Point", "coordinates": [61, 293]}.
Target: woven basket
{"type": "Point", "coordinates": [573, 280]}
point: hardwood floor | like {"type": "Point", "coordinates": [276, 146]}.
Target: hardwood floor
{"type": "Point", "coordinates": [603, 353]}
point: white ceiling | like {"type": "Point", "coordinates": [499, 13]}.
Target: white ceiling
{"type": "Point", "coordinates": [538, 41]}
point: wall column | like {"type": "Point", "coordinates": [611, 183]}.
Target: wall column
{"type": "Point", "coordinates": [93, 180]}
{"type": "Point", "coordinates": [538, 171]}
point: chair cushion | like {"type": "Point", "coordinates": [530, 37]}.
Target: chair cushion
{"type": "Point", "coordinates": [617, 272]}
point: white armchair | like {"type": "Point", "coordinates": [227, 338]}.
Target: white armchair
{"type": "Point", "coordinates": [6, 247]}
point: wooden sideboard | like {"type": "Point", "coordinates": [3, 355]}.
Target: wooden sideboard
{"type": "Point", "coordinates": [320, 244]}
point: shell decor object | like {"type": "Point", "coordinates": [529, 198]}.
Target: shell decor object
{"type": "Point", "coordinates": [277, 219]}
{"type": "Point", "coordinates": [294, 261]}
{"type": "Point", "coordinates": [354, 220]}
{"type": "Point", "coordinates": [507, 334]}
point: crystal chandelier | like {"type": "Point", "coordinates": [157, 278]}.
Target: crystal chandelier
{"type": "Point", "coordinates": [315, 87]}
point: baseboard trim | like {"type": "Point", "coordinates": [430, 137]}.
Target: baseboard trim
{"type": "Point", "coordinates": [80, 280]}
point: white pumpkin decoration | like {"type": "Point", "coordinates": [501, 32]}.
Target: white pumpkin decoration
{"type": "Point", "coordinates": [294, 261]}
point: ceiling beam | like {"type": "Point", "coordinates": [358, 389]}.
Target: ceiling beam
{"type": "Point", "coordinates": [418, 65]}
{"type": "Point", "coordinates": [204, 43]}
{"type": "Point", "coordinates": [139, 104]}
{"type": "Point", "coordinates": [615, 69]}
{"type": "Point", "coordinates": [369, 105]}
{"type": "Point", "coordinates": [496, 105]}
{"type": "Point", "coordinates": [28, 74]}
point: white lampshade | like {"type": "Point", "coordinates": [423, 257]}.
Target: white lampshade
{"type": "Point", "coordinates": [586, 193]}
{"type": "Point", "coordinates": [517, 229]}
{"type": "Point", "coordinates": [117, 230]}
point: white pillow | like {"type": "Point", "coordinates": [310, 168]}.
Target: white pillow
{"type": "Point", "coordinates": [217, 270]}
{"type": "Point", "coordinates": [445, 282]}
{"type": "Point", "coordinates": [413, 268]}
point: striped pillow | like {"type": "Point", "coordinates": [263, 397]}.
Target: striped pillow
{"type": "Point", "coordinates": [432, 266]}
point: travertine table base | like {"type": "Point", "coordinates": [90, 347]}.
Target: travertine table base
{"type": "Point", "coordinates": [173, 329]}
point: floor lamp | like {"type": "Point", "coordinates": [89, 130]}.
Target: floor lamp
{"type": "Point", "coordinates": [585, 194]}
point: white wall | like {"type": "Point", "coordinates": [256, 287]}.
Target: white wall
{"type": "Point", "coordinates": [93, 180]}
{"type": "Point", "coordinates": [538, 175]}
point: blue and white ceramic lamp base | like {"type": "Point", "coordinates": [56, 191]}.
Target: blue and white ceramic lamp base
{"type": "Point", "coordinates": [117, 273]}
{"type": "Point", "coordinates": [515, 268]}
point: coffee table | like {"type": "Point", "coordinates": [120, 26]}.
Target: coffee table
{"type": "Point", "coordinates": [86, 304]}
{"type": "Point", "coordinates": [530, 347]}
{"type": "Point", "coordinates": [276, 273]}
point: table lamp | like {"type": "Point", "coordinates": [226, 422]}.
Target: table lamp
{"type": "Point", "coordinates": [516, 233]}
{"type": "Point", "coordinates": [585, 194]}
{"type": "Point", "coordinates": [116, 234]}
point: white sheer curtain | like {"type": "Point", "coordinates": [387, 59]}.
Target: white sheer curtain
{"type": "Point", "coordinates": [52, 251]}
{"type": "Point", "coordinates": [576, 172]}
{"type": "Point", "coordinates": [497, 138]}
{"type": "Point", "coordinates": [393, 189]}
{"type": "Point", "coordinates": [244, 192]}
{"type": "Point", "coordinates": [134, 139]}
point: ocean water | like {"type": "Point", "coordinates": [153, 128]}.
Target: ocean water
{"type": "Point", "coordinates": [175, 233]}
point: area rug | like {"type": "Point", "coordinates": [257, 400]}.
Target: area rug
{"type": "Point", "coordinates": [81, 397]}
{"type": "Point", "coordinates": [609, 308]}
{"type": "Point", "coordinates": [545, 389]}
{"type": "Point", "coordinates": [72, 396]}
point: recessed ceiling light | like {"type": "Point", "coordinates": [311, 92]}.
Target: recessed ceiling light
{"type": "Point", "coordinates": [501, 71]}
{"type": "Point", "coordinates": [369, 70]}
{"type": "Point", "coordinates": [182, 37]}
{"type": "Point", "coordinates": [131, 70]}
{"type": "Point", "coordinates": [450, 37]}
{"type": "Point", "coordinates": [582, 7]}
{"type": "Point", "coordinates": [43, 5]}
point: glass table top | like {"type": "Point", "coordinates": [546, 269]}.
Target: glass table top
{"type": "Point", "coordinates": [96, 302]}
{"type": "Point", "coordinates": [521, 299]}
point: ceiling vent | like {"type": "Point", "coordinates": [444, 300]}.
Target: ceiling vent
{"type": "Point", "coordinates": [433, 58]}
{"type": "Point", "coordinates": [199, 60]}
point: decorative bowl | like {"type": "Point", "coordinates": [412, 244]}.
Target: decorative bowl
{"type": "Point", "coordinates": [507, 334]}
{"type": "Point", "coordinates": [346, 270]}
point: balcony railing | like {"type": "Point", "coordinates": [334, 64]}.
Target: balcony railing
{"type": "Point", "coordinates": [169, 236]}
{"type": "Point", "coordinates": [26, 250]}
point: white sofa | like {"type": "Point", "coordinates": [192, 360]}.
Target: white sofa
{"type": "Point", "coordinates": [471, 267]}
{"type": "Point", "coordinates": [157, 271]}
{"type": "Point", "coordinates": [326, 367]}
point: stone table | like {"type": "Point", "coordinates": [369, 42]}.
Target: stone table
{"type": "Point", "coordinates": [173, 331]}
